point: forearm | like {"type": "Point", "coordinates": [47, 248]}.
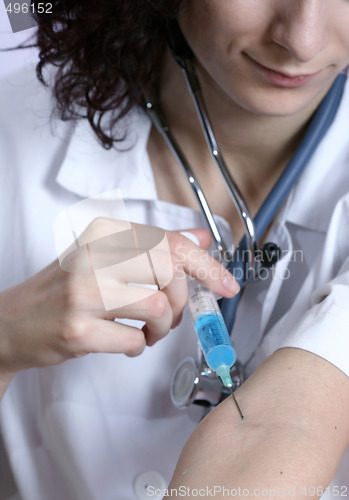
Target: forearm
{"type": "Point", "coordinates": [264, 461]}
{"type": "Point", "coordinates": [292, 438]}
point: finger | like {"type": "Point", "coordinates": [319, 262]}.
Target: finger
{"type": "Point", "coordinates": [177, 294]}
{"type": "Point", "coordinates": [200, 265]}
{"type": "Point", "coordinates": [154, 310]}
{"type": "Point", "coordinates": [124, 301]}
{"type": "Point", "coordinates": [160, 318]}
{"type": "Point", "coordinates": [177, 290]}
{"type": "Point", "coordinates": [101, 335]}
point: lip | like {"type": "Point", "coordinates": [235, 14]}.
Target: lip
{"type": "Point", "coordinates": [282, 79]}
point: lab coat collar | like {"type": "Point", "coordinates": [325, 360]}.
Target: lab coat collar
{"type": "Point", "coordinates": [88, 169]}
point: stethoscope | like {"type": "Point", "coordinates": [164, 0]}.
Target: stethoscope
{"type": "Point", "coordinates": [193, 381]}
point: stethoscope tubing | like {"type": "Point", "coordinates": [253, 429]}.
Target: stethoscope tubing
{"type": "Point", "coordinates": [317, 129]}
{"type": "Point", "coordinates": [157, 118]}
{"type": "Point", "coordinates": [235, 193]}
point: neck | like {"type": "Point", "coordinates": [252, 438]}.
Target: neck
{"type": "Point", "coordinates": [254, 146]}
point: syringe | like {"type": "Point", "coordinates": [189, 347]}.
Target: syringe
{"type": "Point", "coordinates": [212, 333]}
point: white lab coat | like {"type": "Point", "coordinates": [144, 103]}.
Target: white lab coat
{"type": "Point", "coordinates": [98, 427]}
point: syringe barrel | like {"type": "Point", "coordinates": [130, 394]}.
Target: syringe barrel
{"type": "Point", "coordinates": [209, 326]}
{"type": "Point", "coordinates": [201, 300]}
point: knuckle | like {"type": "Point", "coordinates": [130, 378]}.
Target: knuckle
{"type": "Point", "coordinates": [73, 329]}
{"type": "Point", "coordinates": [135, 344]}
{"type": "Point", "coordinates": [158, 305]}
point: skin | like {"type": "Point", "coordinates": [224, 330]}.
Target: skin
{"type": "Point", "coordinates": [294, 433]}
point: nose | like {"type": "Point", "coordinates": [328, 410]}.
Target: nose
{"type": "Point", "coordinates": [301, 28]}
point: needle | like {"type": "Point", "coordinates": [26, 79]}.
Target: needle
{"type": "Point", "coordinates": [237, 405]}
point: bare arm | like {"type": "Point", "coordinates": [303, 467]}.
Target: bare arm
{"type": "Point", "coordinates": [296, 428]}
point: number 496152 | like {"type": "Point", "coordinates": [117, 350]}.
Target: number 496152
{"type": "Point", "coordinates": [335, 491]}
{"type": "Point", "coordinates": [24, 8]}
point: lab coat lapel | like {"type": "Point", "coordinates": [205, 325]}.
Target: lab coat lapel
{"type": "Point", "coordinates": [259, 298]}
{"type": "Point", "coordinates": [88, 169]}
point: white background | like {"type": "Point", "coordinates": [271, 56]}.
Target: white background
{"type": "Point", "coordinates": [13, 59]}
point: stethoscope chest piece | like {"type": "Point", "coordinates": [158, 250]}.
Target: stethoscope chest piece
{"type": "Point", "coordinates": [193, 383]}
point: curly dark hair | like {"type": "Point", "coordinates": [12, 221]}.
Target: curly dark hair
{"type": "Point", "coordinates": [104, 52]}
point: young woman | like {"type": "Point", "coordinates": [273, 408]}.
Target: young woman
{"type": "Point", "coordinates": [102, 426]}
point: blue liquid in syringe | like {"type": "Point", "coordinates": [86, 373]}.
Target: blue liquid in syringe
{"type": "Point", "coordinates": [214, 340]}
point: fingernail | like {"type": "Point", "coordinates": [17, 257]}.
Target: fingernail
{"type": "Point", "coordinates": [230, 283]}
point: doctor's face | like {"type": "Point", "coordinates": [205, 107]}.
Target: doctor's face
{"type": "Point", "coordinates": [271, 57]}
